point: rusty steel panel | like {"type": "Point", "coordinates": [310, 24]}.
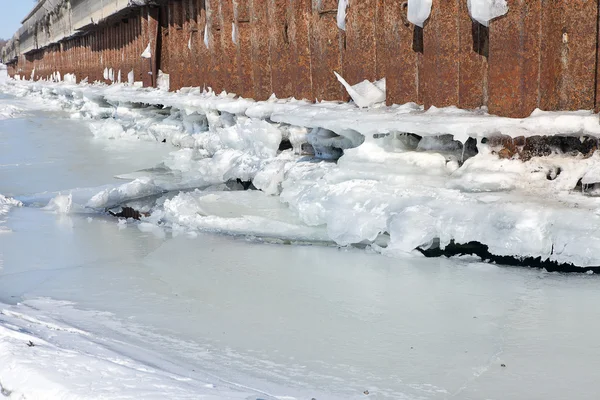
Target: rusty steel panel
{"type": "Point", "coordinates": [217, 78]}
{"type": "Point", "coordinates": [261, 61]}
{"type": "Point", "coordinates": [228, 49]}
{"type": "Point", "coordinates": [202, 53]}
{"type": "Point", "coordinates": [241, 12]}
{"type": "Point", "coordinates": [360, 49]}
{"type": "Point", "coordinates": [473, 50]}
{"type": "Point", "coordinates": [299, 16]}
{"type": "Point", "coordinates": [279, 47]}
{"type": "Point", "coordinates": [400, 57]}
{"type": "Point", "coordinates": [176, 43]}
{"type": "Point", "coordinates": [514, 60]}
{"type": "Point", "coordinates": [568, 54]}
{"type": "Point", "coordinates": [440, 72]}
{"type": "Point", "coordinates": [326, 54]}
{"type": "Point", "coordinates": [380, 46]}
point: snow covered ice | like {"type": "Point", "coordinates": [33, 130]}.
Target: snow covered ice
{"type": "Point", "coordinates": [161, 307]}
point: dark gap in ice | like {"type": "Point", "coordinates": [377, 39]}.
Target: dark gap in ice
{"type": "Point", "coordinates": [553, 173]}
{"type": "Point", "coordinates": [285, 145]}
{"type": "Point", "coordinates": [240, 185]}
{"type": "Point", "coordinates": [482, 251]}
{"type": "Point", "coordinates": [128, 212]}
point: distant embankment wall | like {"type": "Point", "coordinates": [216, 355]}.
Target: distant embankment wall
{"type": "Point", "coordinates": [542, 54]}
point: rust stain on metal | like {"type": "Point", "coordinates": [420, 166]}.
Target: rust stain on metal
{"type": "Point", "coordinates": [279, 48]}
{"type": "Point", "coordinates": [261, 60]}
{"type": "Point", "coordinates": [473, 50]}
{"type": "Point", "coordinates": [326, 55]}
{"type": "Point", "coordinates": [299, 16]}
{"type": "Point", "coordinates": [360, 47]}
{"type": "Point", "coordinates": [399, 56]}
{"type": "Point", "coordinates": [514, 60]}
{"type": "Point", "coordinates": [568, 54]}
{"type": "Point", "coordinates": [228, 47]}
{"type": "Point", "coordinates": [241, 13]}
{"type": "Point", "coordinates": [441, 40]}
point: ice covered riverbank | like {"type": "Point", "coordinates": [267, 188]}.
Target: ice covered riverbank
{"type": "Point", "coordinates": [158, 308]}
{"type": "Point", "coordinates": [407, 179]}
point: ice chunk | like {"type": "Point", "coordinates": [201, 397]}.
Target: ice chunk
{"type": "Point", "coordinates": [419, 11]}
{"type": "Point", "coordinates": [341, 14]}
{"type": "Point", "coordinates": [147, 53]}
{"type": "Point", "coordinates": [483, 11]}
{"type": "Point", "coordinates": [61, 204]}
{"type": "Point", "coordinates": [365, 93]}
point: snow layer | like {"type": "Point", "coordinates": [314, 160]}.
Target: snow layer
{"type": "Point", "coordinates": [389, 189]}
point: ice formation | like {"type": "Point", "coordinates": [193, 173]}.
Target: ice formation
{"type": "Point", "coordinates": [6, 203]}
{"type": "Point", "coordinates": [365, 93]}
{"type": "Point", "coordinates": [483, 11]}
{"type": "Point", "coordinates": [341, 14]}
{"type": "Point", "coordinates": [419, 11]}
{"type": "Point", "coordinates": [147, 52]}
{"type": "Point", "coordinates": [403, 178]}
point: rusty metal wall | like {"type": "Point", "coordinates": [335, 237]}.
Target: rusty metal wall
{"type": "Point", "coordinates": [543, 53]}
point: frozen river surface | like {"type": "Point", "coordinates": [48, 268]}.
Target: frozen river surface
{"type": "Point", "coordinates": [93, 308]}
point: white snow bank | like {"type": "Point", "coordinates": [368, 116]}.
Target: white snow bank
{"type": "Point", "coordinates": [388, 183]}
{"type": "Point", "coordinates": [483, 11]}
{"type": "Point", "coordinates": [91, 101]}
{"type": "Point", "coordinates": [42, 357]}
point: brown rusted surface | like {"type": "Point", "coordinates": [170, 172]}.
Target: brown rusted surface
{"type": "Point", "coordinates": [360, 47]}
{"type": "Point", "coordinates": [280, 53]}
{"type": "Point", "coordinates": [543, 53]}
{"type": "Point", "coordinates": [569, 33]}
{"type": "Point", "coordinates": [241, 12]}
{"type": "Point", "coordinates": [299, 16]}
{"type": "Point", "coordinates": [326, 55]}
{"type": "Point", "coordinates": [228, 48]}
{"type": "Point", "coordinates": [399, 56]}
{"type": "Point", "coordinates": [261, 60]}
{"type": "Point", "coordinates": [514, 60]}
{"type": "Point", "coordinates": [441, 62]}
{"type": "Point", "coordinates": [473, 50]}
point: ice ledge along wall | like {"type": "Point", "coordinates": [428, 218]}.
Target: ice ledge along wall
{"type": "Point", "coordinates": [543, 53]}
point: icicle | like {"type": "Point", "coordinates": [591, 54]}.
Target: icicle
{"type": "Point", "coordinates": [483, 11]}
{"type": "Point", "coordinates": [206, 35]}
{"type": "Point", "coordinates": [419, 11]}
{"type": "Point", "coordinates": [341, 14]}
{"type": "Point", "coordinates": [234, 33]}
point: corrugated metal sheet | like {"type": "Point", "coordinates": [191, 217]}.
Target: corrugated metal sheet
{"type": "Point", "coordinates": [541, 54]}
